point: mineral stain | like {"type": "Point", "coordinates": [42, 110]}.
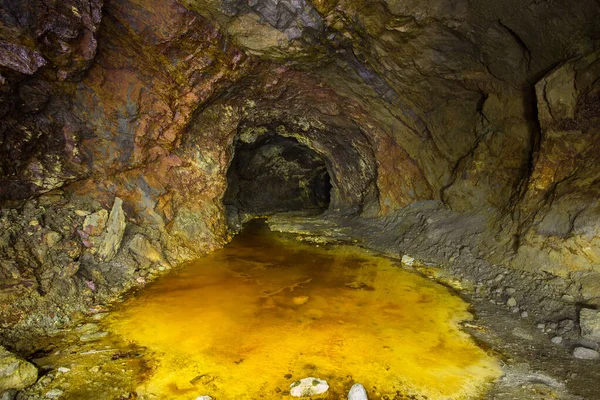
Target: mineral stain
{"type": "Point", "coordinates": [231, 325]}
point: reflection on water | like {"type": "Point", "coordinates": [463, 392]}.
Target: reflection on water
{"type": "Point", "coordinates": [248, 320]}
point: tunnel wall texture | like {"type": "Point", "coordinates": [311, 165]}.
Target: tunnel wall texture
{"type": "Point", "coordinates": [119, 119]}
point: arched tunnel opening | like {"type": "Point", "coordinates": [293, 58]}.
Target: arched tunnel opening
{"type": "Point", "coordinates": [274, 174]}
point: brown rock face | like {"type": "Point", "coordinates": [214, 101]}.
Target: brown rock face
{"type": "Point", "coordinates": [484, 112]}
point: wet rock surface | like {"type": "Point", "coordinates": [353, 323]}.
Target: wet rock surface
{"type": "Point", "coordinates": [357, 392]}
{"type": "Point", "coordinates": [308, 387]}
{"type": "Point", "coordinates": [15, 372]}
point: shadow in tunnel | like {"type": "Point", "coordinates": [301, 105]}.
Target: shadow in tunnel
{"type": "Point", "coordinates": [273, 174]}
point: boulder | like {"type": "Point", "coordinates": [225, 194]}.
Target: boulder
{"type": "Point", "coordinates": [589, 320]}
{"type": "Point", "coordinates": [308, 387]}
{"type": "Point", "coordinates": [15, 372]}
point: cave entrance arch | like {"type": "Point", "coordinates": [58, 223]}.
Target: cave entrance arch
{"type": "Point", "coordinates": [272, 174]}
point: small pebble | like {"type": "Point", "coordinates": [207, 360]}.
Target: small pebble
{"type": "Point", "coordinates": [54, 393]}
{"type": "Point", "coordinates": [511, 302]}
{"type": "Point", "coordinates": [63, 370]}
{"type": "Point", "coordinates": [556, 340]}
{"type": "Point", "coordinates": [524, 314]}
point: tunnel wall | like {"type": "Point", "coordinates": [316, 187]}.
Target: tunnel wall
{"type": "Point", "coordinates": [409, 102]}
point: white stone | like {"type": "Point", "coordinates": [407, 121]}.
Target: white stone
{"type": "Point", "coordinates": [589, 320]}
{"type": "Point", "coordinates": [556, 340]}
{"type": "Point", "coordinates": [54, 393]}
{"type": "Point", "coordinates": [357, 392]}
{"type": "Point", "coordinates": [308, 387]}
{"type": "Point", "coordinates": [63, 370]}
{"type": "Point", "coordinates": [585, 354]}
{"type": "Point", "coordinates": [408, 260]}
{"type": "Point", "coordinates": [204, 398]}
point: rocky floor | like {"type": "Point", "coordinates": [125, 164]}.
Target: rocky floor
{"type": "Point", "coordinates": [511, 321]}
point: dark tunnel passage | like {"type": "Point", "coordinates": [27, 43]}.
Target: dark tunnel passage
{"type": "Point", "coordinates": [274, 174]}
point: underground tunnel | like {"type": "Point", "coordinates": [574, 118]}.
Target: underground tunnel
{"type": "Point", "coordinates": [219, 199]}
{"type": "Point", "coordinates": [276, 174]}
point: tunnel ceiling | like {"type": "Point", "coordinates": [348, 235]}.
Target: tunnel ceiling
{"type": "Point", "coordinates": [480, 107]}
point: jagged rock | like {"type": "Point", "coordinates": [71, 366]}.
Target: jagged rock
{"type": "Point", "coordinates": [357, 392]}
{"type": "Point", "coordinates": [144, 250]}
{"type": "Point", "coordinates": [590, 286]}
{"type": "Point", "coordinates": [95, 223]}
{"type": "Point", "coordinates": [308, 387]}
{"type": "Point", "coordinates": [111, 239]}
{"type": "Point", "coordinates": [15, 373]}
{"type": "Point", "coordinates": [589, 320]}
{"type": "Point", "coordinates": [408, 260]}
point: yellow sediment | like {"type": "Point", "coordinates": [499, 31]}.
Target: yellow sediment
{"type": "Point", "coordinates": [248, 320]}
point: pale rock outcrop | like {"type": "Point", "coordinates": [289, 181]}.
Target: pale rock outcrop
{"type": "Point", "coordinates": [15, 372]}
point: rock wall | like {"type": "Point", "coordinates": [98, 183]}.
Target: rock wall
{"type": "Point", "coordinates": [119, 121]}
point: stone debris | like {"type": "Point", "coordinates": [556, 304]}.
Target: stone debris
{"type": "Point", "coordinates": [589, 320]}
{"type": "Point", "coordinates": [557, 340]}
{"type": "Point", "coordinates": [54, 394]}
{"type": "Point", "coordinates": [583, 353]}
{"type": "Point", "coordinates": [308, 387]}
{"type": "Point", "coordinates": [15, 372]}
{"type": "Point", "coordinates": [357, 392]}
{"type": "Point", "coordinates": [408, 260]}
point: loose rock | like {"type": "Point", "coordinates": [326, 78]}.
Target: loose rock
{"type": "Point", "coordinates": [556, 340]}
{"type": "Point", "coordinates": [54, 393]}
{"type": "Point", "coordinates": [408, 260]}
{"type": "Point", "coordinates": [308, 387]}
{"type": "Point", "coordinates": [15, 372]}
{"type": "Point", "coordinates": [589, 320]}
{"type": "Point", "coordinates": [357, 392]}
{"type": "Point", "coordinates": [584, 353]}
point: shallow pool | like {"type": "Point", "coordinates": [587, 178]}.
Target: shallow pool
{"type": "Point", "coordinates": [248, 320]}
